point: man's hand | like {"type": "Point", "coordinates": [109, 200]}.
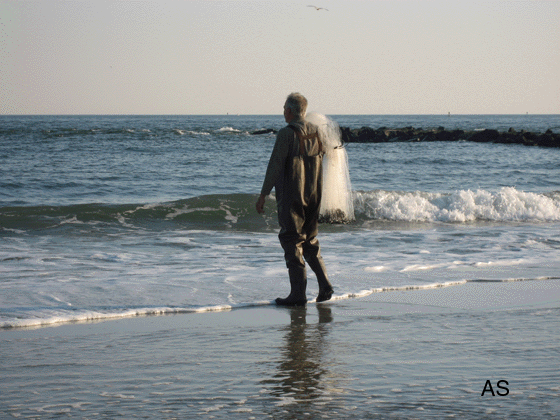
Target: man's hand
{"type": "Point", "coordinates": [260, 204]}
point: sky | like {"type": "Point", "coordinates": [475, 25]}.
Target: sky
{"type": "Point", "coordinates": [244, 57]}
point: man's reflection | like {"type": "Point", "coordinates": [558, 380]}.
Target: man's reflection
{"type": "Point", "coordinates": [298, 381]}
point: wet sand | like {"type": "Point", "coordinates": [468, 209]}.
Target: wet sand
{"type": "Point", "coordinates": [412, 354]}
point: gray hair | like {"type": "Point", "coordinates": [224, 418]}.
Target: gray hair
{"type": "Point", "coordinates": [297, 103]}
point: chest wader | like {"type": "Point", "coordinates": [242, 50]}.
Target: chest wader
{"type": "Point", "coordinates": [298, 215]}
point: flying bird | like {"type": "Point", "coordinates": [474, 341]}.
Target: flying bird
{"type": "Point", "coordinates": [319, 8]}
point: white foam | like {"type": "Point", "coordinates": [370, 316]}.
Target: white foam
{"type": "Point", "coordinates": [365, 293]}
{"type": "Point", "coordinates": [229, 130]}
{"type": "Point", "coordinates": [110, 257]}
{"type": "Point", "coordinates": [513, 279]}
{"type": "Point", "coordinates": [149, 206]}
{"type": "Point", "coordinates": [229, 216]}
{"type": "Point", "coordinates": [61, 317]}
{"type": "Point", "coordinates": [72, 221]}
{"type": "Point", "coordinates": [122, 220]}
{"type": "Point", "coordinates": [376, 269]}
{"type": "Point", "coordinates": [117, 396]}
{"type": "Point", "coordinates": [50, 317]}
{"type": "Point", "coordinates": [500, 263]}
{"type": "Point", "coordinates": [192, 133]}
{"type": "Point", "coordinates": [56, 299]}
{"type": "Point", "coordinates": [187, 210]}
{"type": "Point", "coordinates": [423, 267]}
{"type": "Point", "coordinates": [507, 204]}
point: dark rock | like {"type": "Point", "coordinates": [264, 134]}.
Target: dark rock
{"type": "Point", "coordinates": [369, 135]}
{"type": "Point", "coordinates": [548, 139]}
{"type": "Point", "coordinates": [449, 135]}
{"type": "Point", "coordinates": [384, 134]}
{"type": "Point", "coordinates": [346, 135]}
{"type": "Point", "coordinates": [511, 137]}
{"type": "Point", "coordinates": [265, 131]}
{"type": "Point", "coordinates": [366, 134]}
{"type": "Point", "coordinates": [428, 137]}
{"type": "Point", "coordinates": [409, 134]}
{"type": "Point", "coordinates": [485, 136]}
{"type": "Point", "coordinates": [529, 136]}
{"type": "Point", "coordinates": [391, 134]}
{"type": "Point", "coordinates": [528, 139]}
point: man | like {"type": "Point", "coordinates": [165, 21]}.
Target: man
{"type": "Point", "coordinates": [295, 170]}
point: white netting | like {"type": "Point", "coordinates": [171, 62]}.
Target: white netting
{"type": "Point", "coordinates": [336, 205]}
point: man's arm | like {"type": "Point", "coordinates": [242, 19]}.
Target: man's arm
{"type": "Point", "coordinates": [260, 204]}
{"type": "Point", "coordinates": [275, 165]}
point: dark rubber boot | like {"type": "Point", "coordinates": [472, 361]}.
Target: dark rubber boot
{"type": "Point", "coordinates": [324, 295]}
{"type": "Point", "coordinates": [291, 301]}
{"type": "Point", "coordinates": [325, 286]}
{"type": "Point", "coordinates": [298, 283]}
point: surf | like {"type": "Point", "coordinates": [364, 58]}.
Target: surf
{"type": "Point", "coordinates": [504, 205]}
{"type": "Point", "coordinates": [53, 316]}
{"type": "Point", "coordinates": [236, 211]}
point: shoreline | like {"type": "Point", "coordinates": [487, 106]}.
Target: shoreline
{"type": "Point", "coordinates": [423, 354]}
{"type": "Point", "coordinates": [91, 316]}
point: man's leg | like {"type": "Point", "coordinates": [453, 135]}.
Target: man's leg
{"type": "Point", "coordinates": [312, 254]}
{"type": "Point", "coordinates": [293, 254]}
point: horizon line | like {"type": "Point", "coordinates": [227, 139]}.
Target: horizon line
{"type": "Point", "coordinates": [266, 115]}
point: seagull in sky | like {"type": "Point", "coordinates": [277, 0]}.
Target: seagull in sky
{"type": "Point", "coordinates": [319, 8]}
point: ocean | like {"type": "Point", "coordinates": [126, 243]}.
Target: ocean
{"type": "Point", "coordinates": [116, 216]}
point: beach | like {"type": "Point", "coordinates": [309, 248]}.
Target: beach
{"type": "Point", "coordinates": [140, 261]}
{"type": "Point", "coordinates": [404, 354]}
{"type": "Point", "coordinates": [137, 280]}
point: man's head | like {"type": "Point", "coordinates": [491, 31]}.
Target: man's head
{"type": "Point", "coordinates": [295, 106]}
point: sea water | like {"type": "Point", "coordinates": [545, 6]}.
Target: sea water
{"type": "Point", "coordinates": [116, 216]}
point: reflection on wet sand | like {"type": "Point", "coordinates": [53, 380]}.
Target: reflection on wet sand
{"type": "Point", "coordinates": [302, 377]}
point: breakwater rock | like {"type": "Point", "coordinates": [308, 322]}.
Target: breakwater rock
{"type": "Point", "coordinates": [263, 131]}
{"type": "Point", "coordinates": [410, 134]}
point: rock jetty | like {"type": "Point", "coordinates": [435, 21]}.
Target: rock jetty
{"type": "Point", "coordinates": [411, 134]}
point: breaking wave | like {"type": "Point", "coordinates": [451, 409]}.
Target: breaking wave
{"type": "Point", "coordinates": [236, 211]}
{"type": "Point", "coordinates": [506, 205]}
